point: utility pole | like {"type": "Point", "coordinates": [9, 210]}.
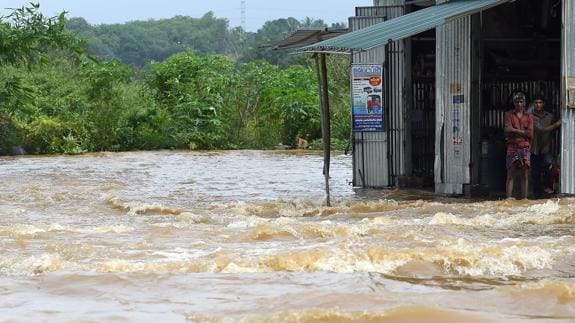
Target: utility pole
{"type": "Point", "coordinates": [243, 15]}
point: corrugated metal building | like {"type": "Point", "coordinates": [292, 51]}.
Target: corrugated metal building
{"type": "Point", "coordinates": [568, 98]}
{"type": "Point", "coordinates": [370, 169]}
{"type": "Point", "coordinates": [450, 69]}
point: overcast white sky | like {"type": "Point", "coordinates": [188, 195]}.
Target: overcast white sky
{"type": "Point", "coordinates": [257, 11]}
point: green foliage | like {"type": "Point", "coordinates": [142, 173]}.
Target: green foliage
{"type": "Point", "coordinates": [15, 97]}
{"type": "Point", "coordinates": [26, 34]}
{"type": "Point", "coordinates": [336, 144]}
{"type": "Point", "coordinates": [193, 88]}
{"type": "Point", "coordinates": [103, 76]}
{"type": "Point", "coordinates": [297, 103]}
{"type": "Point", "coordinates": [137, 43]}
{"type": "Point", "coordinates": [26, 37]}
{"type": "Point", "coordinates": [96, 106]}
{"type": "Point", "coordinates": [274, 105]}
{"type": "Point", "coordinates": [340, 98]}
{"type": "Point", "coordinates": [145, 129]}
{"type": "Point", "coordinates": [72, 145]}
{"type": "Point", "coordinates": [104, 88]}
{"type": "Point", "coordinates": [51, 102]}
{"type": "Point", "coordinates": [44, 135]}
{"type": "Point", "coordinates": [260, 45]}
{"type": "Point", "coordinates": [255, 122]}
{"type": "Point", "coordinates": [10, 134]}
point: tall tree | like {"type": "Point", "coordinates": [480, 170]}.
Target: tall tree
{"type": "Point", "coordinates": [26, 36]}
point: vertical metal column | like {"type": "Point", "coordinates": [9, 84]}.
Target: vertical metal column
{"type": "Point", "coordinates": [475, 99]}
{"type": "Point", "coordinates": [453, 107]}
{"type": "Point", "coordinates": [397, 101]}
{"type": "Point", "coordinates": [395, 78]}
{"type": "Point", "coordinates": [568, 98]}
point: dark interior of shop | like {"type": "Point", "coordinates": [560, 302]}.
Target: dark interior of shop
{"type": "Point", "coordinates": [519, 51]}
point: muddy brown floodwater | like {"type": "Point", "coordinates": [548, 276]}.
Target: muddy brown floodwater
{"type": "Point", "coordinates": [244, 236]}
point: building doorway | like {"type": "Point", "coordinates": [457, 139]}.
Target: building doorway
{"type": "Point", "coordinates": [422, 116]}
{"type": "Point", "coordinates": [520, 51]}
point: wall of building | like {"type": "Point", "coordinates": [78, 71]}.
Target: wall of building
{"type": "Point", "coordinates": [377, 155]}
{"type": "Point", "coordinates": [453, 82]}
{"type": "Point", "coordinates": [370, 163]}
{"type": "Point", "coordinates": [568, 99]}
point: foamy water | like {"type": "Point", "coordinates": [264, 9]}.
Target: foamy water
{"type": "Point", "coordinates": [245, 236]}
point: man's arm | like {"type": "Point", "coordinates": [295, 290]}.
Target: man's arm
{"type": "Point", "coordinates": [509, 125]}
{"type": "Point", "coordinates": [549, 128]}
{"type": "Point", "coordinates": [529, 132]}
{"type": "Point", "coordinates": [553, 126]}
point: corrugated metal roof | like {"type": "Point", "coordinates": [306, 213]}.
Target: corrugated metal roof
{"type": "Point", "coordinates": [304, 37]}
{"type": "Point", "coordinates": [401, 27]}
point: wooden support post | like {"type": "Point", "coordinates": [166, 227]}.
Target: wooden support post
{"type": "Point", "coordinates": [321, 69]}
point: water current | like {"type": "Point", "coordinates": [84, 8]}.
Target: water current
{"type": "Point", "coordinates": [244, 236]}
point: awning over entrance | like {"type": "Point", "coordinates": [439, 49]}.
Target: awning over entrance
{"type": "Point", "coordinates": [304, 37]}
{"type": "Point", "coordinates": [401, 27]}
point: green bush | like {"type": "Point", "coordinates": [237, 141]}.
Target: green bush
{"type": "Point", "coordinates": [11, 134]}
{"type": "Point", "coordinates": [336, 144]}
{"type": "Point", "coordinates": [72, 145]}
{"type": "Point", "coordinates": [45, 135]}
{"type": "Point", "coordinates": [193, 89]}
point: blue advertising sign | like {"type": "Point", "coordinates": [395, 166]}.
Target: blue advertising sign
{"type": "Point", "coordinates": [367, 97]}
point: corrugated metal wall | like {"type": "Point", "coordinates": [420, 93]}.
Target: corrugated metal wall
{"type": "Point", "coordinates": [568, 99]}
{"type": "Point", "coordinates": [397, 108]}
{"type": "Point", "coordinates": [497, 98]}
{"type": "Point", "coordinates": [453, 85]}
{"type": "Point", "coordinates": [387, 3]}
{"type": "Point", "coordinates": [396, 96]}
{"type": "Point", "coordinates": [371, 164]}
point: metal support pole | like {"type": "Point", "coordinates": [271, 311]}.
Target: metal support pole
{"type": "Point", "coordinates": [321, 69]}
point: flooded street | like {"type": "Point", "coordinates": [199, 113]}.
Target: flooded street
{"type": "Point", "coordinates": [244, 236]}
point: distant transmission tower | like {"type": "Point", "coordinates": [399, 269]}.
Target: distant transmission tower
{"type": "Point", "coordinates": [243, 15]}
